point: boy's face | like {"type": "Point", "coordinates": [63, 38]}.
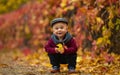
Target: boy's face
{"type": "Point", "coordinates": [60, 29]}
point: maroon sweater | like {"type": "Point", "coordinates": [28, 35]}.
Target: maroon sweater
{"type": "Point", "coordinates": [71, 47]}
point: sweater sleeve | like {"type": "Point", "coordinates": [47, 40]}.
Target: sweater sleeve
{"type": "Point", "coordinates": [71, 47]}
{"type": "Point", "coordinates": [50, 47]}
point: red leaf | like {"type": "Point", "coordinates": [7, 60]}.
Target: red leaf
{"type": "Point", "coordinates": [26, 51]}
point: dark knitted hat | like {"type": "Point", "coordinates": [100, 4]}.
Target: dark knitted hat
{"type": "Point", "coordinates": [56, 20]}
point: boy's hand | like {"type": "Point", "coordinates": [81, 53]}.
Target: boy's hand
{"type": "Point", "coordinates": [60, 48]}
{"type": "Point", "coordinates": [56, 50]}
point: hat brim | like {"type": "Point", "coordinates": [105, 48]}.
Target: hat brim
{"type": "Point", "coordinates": [54, 21]}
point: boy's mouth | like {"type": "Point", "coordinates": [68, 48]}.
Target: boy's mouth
{"type": "Point", "coordinates": [59, 33]}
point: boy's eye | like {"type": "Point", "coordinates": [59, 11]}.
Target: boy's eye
{"type": "Point", "coordinates": [61, 27]}
{"type": "Point", "coordinates": [56, 28]}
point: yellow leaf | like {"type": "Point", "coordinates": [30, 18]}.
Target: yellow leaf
{"type": "Point", "coordinates": [69, 8]}
{"type": "Point", "coordinates": [110, 24]}
{"type": "Point", "coordinates": [29, 57]}
{"type": "Point", "coordinates": [27, 30]}
{"type": "Point", "coordinates": [94, 27]}
{"type": "Point", "coordinates": [79, 59]}
{"type": "Point", "coordinates": [104, 28]}
{"type": "Point", "coordinates": [108, 42]}
{"type": "Point", "coordinates": [99, 41]}
{"type": "Point", "coordinates": [106, 33]}
{"type": "Point", "coordinates": [36, 55]}
{"type": "Point", "coordinates": [63, 3]}
{"type": "Point", "coordinates": [34, 62]}
{"type": "Point", "coordinates": [99, 20]}
{"type": "Point", "coordinates": [60, 47]}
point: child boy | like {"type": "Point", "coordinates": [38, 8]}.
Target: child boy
{"type": "Point", "coordinates": [61, 47]}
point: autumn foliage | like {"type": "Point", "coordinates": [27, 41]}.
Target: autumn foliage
{"type": "Point", "coordinates": [95, 24]}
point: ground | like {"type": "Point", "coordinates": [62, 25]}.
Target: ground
{"type": "Point", "coordinates": [37, 63]}
{"type": "Point", "coordinates": [16, 63]}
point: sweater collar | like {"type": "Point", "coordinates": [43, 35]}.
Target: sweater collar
{"type": "Point", "coordinates": [64, 41]}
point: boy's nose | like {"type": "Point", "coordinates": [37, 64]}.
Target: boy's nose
{"type": "Point", "coordinates": [59, 29]}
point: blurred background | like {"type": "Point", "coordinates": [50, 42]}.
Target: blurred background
{"type": "Point", "coordinates": [95, 24]}
{"type": "Point", "coordinates": [25, 29]}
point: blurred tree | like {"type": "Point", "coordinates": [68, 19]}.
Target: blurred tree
{"type": "Point", "coordinates": [10, 5]}
{"type": "Point", "coordinates": [93, 22]}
